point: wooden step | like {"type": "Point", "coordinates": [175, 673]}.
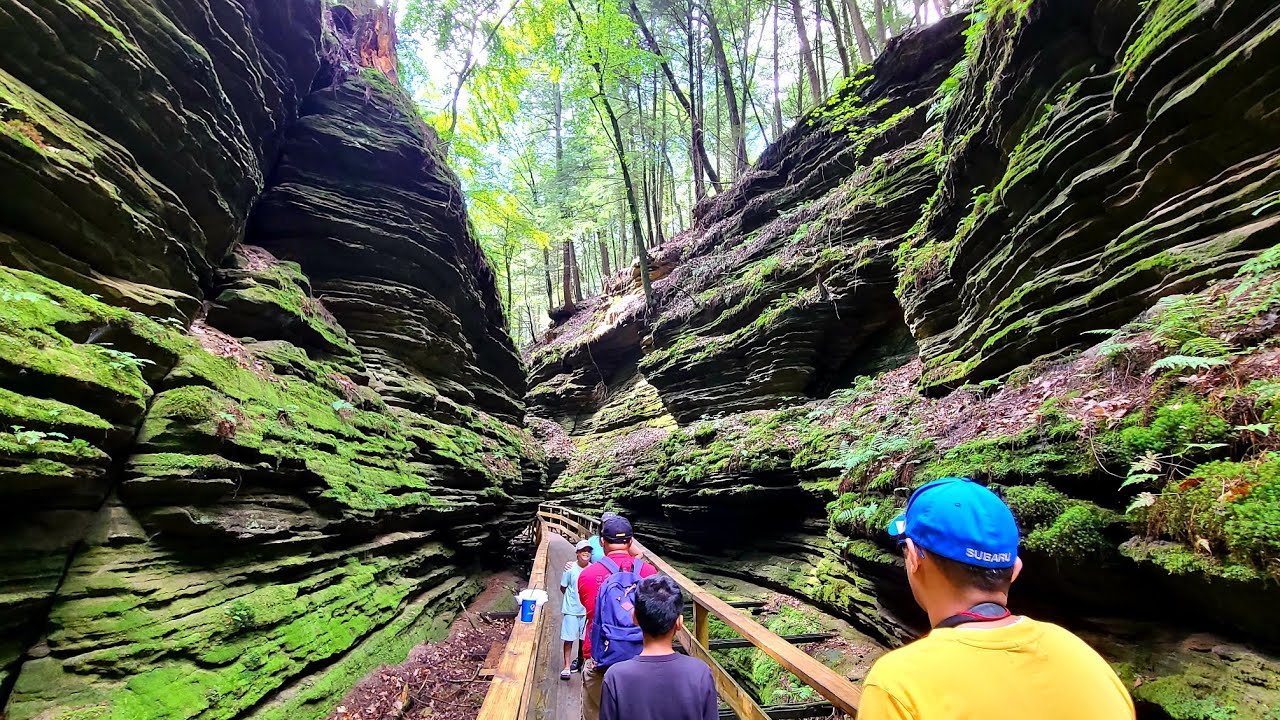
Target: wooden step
{"type": "Point", "coordinates": [491, 660]}
{"type": "Point", "coordinates": [499, 615]}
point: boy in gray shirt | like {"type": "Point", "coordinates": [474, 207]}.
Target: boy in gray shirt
{"type": "Point", "coordinates": [659, 684]}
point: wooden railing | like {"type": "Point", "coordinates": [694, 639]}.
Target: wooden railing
{"type": "Point", "coordinates": [573, 525]}
{"type": "Point", "coordinates": [510, 692]}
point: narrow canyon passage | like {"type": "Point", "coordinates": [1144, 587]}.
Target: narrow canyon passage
{"type": "Point", "coordinates": [307, 305]}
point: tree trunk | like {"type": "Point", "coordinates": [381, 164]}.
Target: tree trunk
{"type": "Point", "coordinates": [677, 212]}
{"type": "Point", "coordinates": [577, 272]}
{"type": "Point", "coordinates": [820, 49]}
{"type": "Point", "coordinates": [699, 153]}
{"type": "Point", "coordinates": [566, 279]}
{"type": "Point", "coordinates": [806, 52]}
{"type": "Point", "coordinates": [605, 272]}
{"type": "Point", "coordinates": [645, 198]}
{"type": "Point", "coordinates": [799, 93]}
{"type": "Point", "coordinates": [841, 48]}
{"type": "Point", "coordinates": [620, 149]}
{"type": "Point", "coordinates": [854, 15]}
{"type": "Point", "coordinates": [730, 96]}
{"type": "Point", "coordinates": [881, 32]}
{"type": "Point", "coordinates": [507, 255]}
{"type": "Point", "coordinates": [620, 248]}
{"type": "Point", "coordinates": [777, 85]}
{"type": "Point", "coordinates": [546, 269]}
{"type": "Point", "coordinates": [659, 172]}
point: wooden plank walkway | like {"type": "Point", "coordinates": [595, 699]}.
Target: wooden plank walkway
{"type": "Point", "coordinates": [555, 699]}
{"type": "Point", "coordinates": [511, 690]}
{"type": "Point", "coordinates": [528, 685]}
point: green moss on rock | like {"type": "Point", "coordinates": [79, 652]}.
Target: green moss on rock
{"type": "Point", "coordinates": [1226, 509]}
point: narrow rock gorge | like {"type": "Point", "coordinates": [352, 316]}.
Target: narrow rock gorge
{"type": "Point", "coordinates": [1033, 244]}
{"type": "Point", "coordinates": [264, 428]}
{"type": "Point", "coordinates": [263, 418]}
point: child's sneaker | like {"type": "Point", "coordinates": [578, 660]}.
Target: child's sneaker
{"type": "Point", "coordinates": [564, 674]}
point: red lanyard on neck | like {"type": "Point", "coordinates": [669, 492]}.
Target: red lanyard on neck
{"type": "Point", "coordinates": [982, 612]}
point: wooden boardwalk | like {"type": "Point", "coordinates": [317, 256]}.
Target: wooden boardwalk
{"type": "Point", "coordinates": [527, 683]}
{"type": "Point", "coordinates": [555, 699]}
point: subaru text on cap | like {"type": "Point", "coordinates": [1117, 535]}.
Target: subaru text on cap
{"type": "Point", "coordinates": [616, 529]}
{"type": "Point", "coordinates": [960, 520]}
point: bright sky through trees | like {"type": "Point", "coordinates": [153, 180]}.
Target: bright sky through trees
{"type": "Point", "coordinates": [577, 125]}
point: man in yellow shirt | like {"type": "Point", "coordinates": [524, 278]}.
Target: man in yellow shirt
{"type": "Point", "coordinates": [980, 662]}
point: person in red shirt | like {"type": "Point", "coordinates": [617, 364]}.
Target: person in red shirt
{"type": "Point", "coordinates": [615, 538]}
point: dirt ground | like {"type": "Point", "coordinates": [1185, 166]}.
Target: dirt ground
{"type": "Point", "coordinates": [439, 680]}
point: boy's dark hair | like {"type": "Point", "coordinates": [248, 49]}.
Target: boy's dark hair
{"type": "Point", "coordinates": [971, 576]}
{"type": "Point", "coordinates": [659, 603]}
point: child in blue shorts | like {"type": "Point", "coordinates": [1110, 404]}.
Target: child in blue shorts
{"type": "Point", "coordinates": [574, 624]}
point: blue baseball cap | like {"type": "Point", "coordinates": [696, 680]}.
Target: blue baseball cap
{"type": "Point", "coordinates": [615, 529]}
{"type": "Point", "coordinates": [962, 521]}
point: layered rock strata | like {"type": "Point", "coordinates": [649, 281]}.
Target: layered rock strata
{"type": "Point", "coordinates": [263, 417]}
{"type": "Point", "coordinates": [1095, 154]}
{"type": "Point", "coordinates": [900, 290]}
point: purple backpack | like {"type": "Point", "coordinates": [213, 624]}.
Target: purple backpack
{"type": "Point", "coordinates": [614, 634]}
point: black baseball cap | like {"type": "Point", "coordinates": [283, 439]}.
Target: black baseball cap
{"type": "Point", "coordinates": [616, 529]}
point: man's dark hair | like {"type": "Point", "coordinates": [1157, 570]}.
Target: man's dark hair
{"type": "Point", "coordinates": [658, 605]}
{"type": "Point", "coordinates": [992, 580]}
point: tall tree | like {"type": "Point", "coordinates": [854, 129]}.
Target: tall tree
{"type": "Point", "coordinates": [604, 257]}
{"type": "Point", "coordinates": [577, 270]}
{"type": "Point", "coordinates": [853, 17]}
{"type": "Point", "coordinates": [601, 101]}
{"type": "Point", "coordinates": [701, 162]}
{"type": "Point", "coordinates": [777, 76]}
{"type": "Point", "coordinates": [841, 49]}
{"type": "Point", "coordinates": [806, 52]}
{"type": "Point", "coordinates": [725, 77]}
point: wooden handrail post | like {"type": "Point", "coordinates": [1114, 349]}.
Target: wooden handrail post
{"type": "Point", "coordinates": [701, 626]}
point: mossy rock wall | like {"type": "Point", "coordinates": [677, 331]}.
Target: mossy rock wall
{"type": "Point", "coordinates": [241, 468]}
{"type": "Point", "coordinates": [900, 290]}
{"type": "Point", "coordinates": [1097, 156]}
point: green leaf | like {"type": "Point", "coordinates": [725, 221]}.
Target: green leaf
{"type": "Point", "coordinates": [1138, 479]}
{"type": "Point", "coordinates": [1204, 446]}
{"type": "Point", "coordinates": [1143, 500]}
{"type": "Point", "coordinates": [1185, 362]}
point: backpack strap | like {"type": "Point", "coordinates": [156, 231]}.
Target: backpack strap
{"type": "Point", "coordinates": [610, 565]}
{"type": "Point", "coordinates": [636, 566]}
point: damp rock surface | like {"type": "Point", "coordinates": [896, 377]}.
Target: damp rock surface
{"type": "Point", "coordinates": [1033, 245]}
{"type": "Point", "coordinates": [263, 421]}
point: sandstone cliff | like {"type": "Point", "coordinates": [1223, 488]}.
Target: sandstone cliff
{"type": "Point", "coordinates": [262, 414]}
{"type": "Point", "coordinates": [913, 283]}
